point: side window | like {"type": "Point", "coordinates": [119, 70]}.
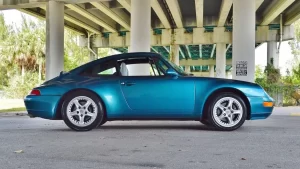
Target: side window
{"type": "Point", "coordinates": [102, 69]}
{"type": "Point", "coordinates": [109, 71]}
{"type": "Point", "coordinates": [156, 66]}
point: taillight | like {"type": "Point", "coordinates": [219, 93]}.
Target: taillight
{"type": "Point", "coordinates": [35, 92]}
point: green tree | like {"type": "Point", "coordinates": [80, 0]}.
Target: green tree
{"type": "Point", "coordinates": [74, 54]}
{"type": "Point", "coordinates": [295, 46]}
{"type": "Point", "coordinates": [25, 47]}
{"type": "Point", "coordinates": [4, 34]}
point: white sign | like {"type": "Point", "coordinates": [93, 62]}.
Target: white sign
{"type": "Point", "coordinates": [241, 68]}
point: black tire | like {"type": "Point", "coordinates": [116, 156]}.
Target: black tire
{"type": "Point", "coordinates": [210, 116]}
{"type": "Point", "coordinates": [205, 122]}
{"type": "Point", "coordinates": [103, 122]}
{"type": "Point", "coordinates": [100, 113]}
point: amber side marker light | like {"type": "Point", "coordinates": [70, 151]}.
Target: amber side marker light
{"type": "Point", "coordinates": [268, 104]}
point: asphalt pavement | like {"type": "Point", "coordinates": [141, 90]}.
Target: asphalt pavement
{"type": "Point", "coordinates": [36, 143]}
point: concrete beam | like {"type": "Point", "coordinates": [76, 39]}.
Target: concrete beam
{"type": "Point", "coordinates": [224, 11]}
{"type": "Point", "coordinates": [91, 17]}
{"type": "Point", "coordinates": [291, 19]}
{"type": "Point", "coordinates": [263, 34]}
{"type": "Point", "coordinates": [17, 5]}
{"type": "Point", "coordinates": [125, 4]}
{"type": "Point", "coordinates": [42, 17]}
{"type": "Point", "coordinates": [201, 62]}
{"type": "Point", "coordinates": [199, 12]}
{"type": "Point", "coordinates": [213, 51]}
{"type": "Point", "coordinates": [229, 45]}
{"type": "Point", "coordinates": [154, 50]}
{"type": "Point", "coordinates": [121, 20]}
{"type": "Point", "coordinates": [180, 50]}
{"type": "Point", "coordinates": [166, 49]}
{"type": "Point", "coordinates": [81, 24]}
{"type": "Point", "coordinates": [274, 12]}
{"type": "Point", "coordinates": [292, 15]}
{"type": "Point", "coordinates": [175, 11]}
{"type": "Point", "coordinates": [201, 74]}
{"type": "Point", "coordinates": [78, 23]}
{"type": "Point", "coordinates": [258, 3]}
{"type": "Point", "coordinates": [115, 5]}
{"type": "Point", "coordinates": [188, 51]}
{"type": "Point", "coordinates": [160, 13]}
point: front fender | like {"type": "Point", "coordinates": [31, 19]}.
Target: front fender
{"type": "Point", "coordinates": [205, 88]}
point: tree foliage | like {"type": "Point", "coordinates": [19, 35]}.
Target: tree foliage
{"type": "Point", "coordinates": [23, 51]}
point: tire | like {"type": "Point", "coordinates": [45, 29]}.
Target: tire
{"type": "Point", "coordinates": [205, 122]}
{"type": "Point", "coordinates": [227, 111]}
{"type": "Point", "coordinates": [82, 111]}
{"type": "Point", "coordinates": [103, 122]}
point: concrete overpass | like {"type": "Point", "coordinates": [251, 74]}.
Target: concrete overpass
{"type": "Point", "coordinates": [207, 37]}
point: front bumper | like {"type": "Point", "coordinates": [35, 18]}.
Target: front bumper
{"type": "Point", "coordinates": [258, 110]}
{"type": "Point", "coordinates": [41, 106]}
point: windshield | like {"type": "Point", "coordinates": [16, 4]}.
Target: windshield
{"type": "Point", "coordinates": [177, 68]}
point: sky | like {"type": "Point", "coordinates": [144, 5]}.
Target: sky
{"type": "Point", "coordinates": [285, 56]}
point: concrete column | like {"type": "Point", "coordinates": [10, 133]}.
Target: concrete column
{"type": "Point", "coordinates": [243, 59]}
{"type": "Point", "coordinates": [92, 55]}
{"type": "Point", "coordinates": [220, 60]}
{"type": "Point", "coordinates": [228, 75]}
{"type": "Point", "coordinates": [187, 69]}
{"type": "Point", "coordinates": [54, 39]}
{"type": "Point", "coordinates": [140, 33]}
{"type": "Point", "coordinates": [272, 54]}
{"type": "Point", "coordinates": [211, 71]}
{"type": "Point", "coordinates": [174, 54]}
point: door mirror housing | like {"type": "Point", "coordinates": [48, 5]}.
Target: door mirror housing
{"type": "Point", "coordinates": [171, 72]}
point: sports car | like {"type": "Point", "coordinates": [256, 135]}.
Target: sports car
{"type": "Point", "coordinates": [113, 88]}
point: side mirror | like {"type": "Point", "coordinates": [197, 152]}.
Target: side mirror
{"type": "Point", "coordinates": [171, 72]}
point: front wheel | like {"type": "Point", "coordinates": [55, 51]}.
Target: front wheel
{"type": "Point", "coordinates": [227, 112]}
{"type": "Point", "coordinates": [82, 111]}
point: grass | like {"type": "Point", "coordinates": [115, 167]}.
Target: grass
{"type": "Point", "coordinates": [13, 110]}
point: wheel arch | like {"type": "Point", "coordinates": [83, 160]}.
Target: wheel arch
{"type": "Point", "coordinates": [58, 115]}
{"type": "Point", "coordinates": [222, 90]}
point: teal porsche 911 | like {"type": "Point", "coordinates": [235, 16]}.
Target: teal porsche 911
{"type": "Point", "coordinates": [105, 90]}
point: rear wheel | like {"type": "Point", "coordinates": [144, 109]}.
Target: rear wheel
{"type": "Point", "coordinates": [227, 112]}
{"type": "Point", "coordinates": [82, 111]}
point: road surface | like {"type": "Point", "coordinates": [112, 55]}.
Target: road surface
{"type": "Point", "coordinates": [36, 143]}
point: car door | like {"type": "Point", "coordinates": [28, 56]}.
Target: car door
{"type": "Point", "coordinates": [161, 95]}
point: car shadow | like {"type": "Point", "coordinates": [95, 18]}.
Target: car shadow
{"type": "Point", "coordinates": [154, 127]}
{"type": "Point", "coordinates": [108, 127]}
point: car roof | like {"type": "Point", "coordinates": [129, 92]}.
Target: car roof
{"type": "Point", "coordinates": [115, 57]}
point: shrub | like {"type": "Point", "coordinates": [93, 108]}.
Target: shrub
{"type": "Point", "coordinates": [16, 89]}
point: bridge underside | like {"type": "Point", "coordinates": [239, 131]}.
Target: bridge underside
{"type": "Point", "coordinates": [195, 26]}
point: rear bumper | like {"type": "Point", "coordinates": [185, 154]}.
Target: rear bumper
{"type": "Point", "coordinates": [41, 106]}
{"type": "Point", "coordinates": [258, 110]}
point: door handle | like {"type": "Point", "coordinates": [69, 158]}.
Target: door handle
{"type": "Point", "coordinates": [127, 83]}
